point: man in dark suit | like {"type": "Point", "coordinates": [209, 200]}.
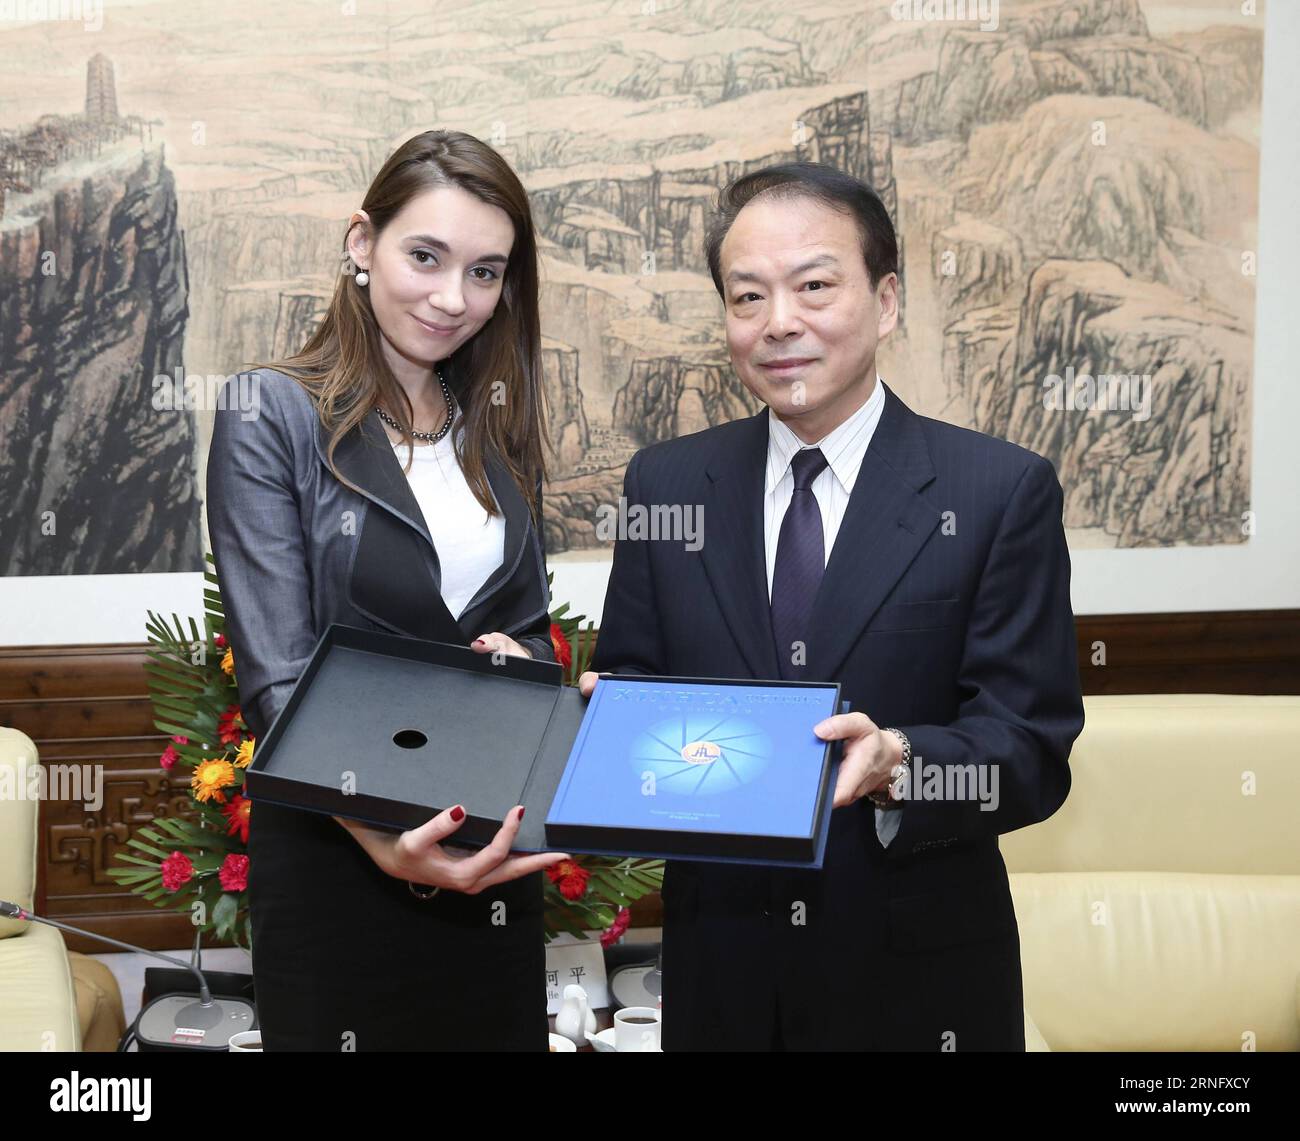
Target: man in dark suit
{"type": "Point", "coordinates": [923, 567]}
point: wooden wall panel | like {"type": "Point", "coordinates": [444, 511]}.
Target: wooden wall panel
{"type": "Point", "coordinates": [89, 705]}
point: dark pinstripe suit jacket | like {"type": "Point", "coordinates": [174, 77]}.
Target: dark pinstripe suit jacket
{"type": "Point", "coordinates": [944, 611]}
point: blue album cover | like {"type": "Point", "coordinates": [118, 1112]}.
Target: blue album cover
{"type": "Point", "coordinates": [697, 757]}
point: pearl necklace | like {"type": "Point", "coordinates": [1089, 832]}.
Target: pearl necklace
{"type": "Point", "coordinates": [428, 437]}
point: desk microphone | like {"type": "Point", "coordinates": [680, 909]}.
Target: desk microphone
{"type": "Point", "coordinates": [170, 1021]}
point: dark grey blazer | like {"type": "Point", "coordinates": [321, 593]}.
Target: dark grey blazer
{"type": "Point", "coordinates": [296, 549]}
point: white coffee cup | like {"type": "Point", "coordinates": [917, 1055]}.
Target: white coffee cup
{"type": "Point", "coordinates": [246, 1042]}
{"type": "Point", "coordinates": [636, 1029]}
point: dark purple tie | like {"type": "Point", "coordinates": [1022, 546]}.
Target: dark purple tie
{"type": "Point", "coordinates": [800, 562]}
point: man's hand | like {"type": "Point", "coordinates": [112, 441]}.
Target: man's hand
{"type": "Point", "coordinates": [869, 755]}
{"type": "Point", "coordinates": [587, 683]}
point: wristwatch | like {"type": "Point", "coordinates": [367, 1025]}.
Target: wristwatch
{"type": "Point", "coordinates": [892, 795]}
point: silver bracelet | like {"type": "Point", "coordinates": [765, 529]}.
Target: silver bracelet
{"type": "Point", "coordinates": [420, 894]}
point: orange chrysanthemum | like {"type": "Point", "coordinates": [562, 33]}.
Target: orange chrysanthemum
{"type": "Point", "coordinates": [228, 662]}
{"type": "Point", "coordinates": [244, 757]}
{"type": "Point", "coordinates": [211, 778]}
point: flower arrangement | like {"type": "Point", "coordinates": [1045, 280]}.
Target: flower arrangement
{"type": "Point", "coordinates": [199, 861]}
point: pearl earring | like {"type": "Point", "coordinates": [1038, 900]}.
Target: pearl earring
{"type": "Point", "coordinates": [363, 278]}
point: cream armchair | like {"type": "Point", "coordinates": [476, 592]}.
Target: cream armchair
{"type": "Point", "coordinates": [1159, 909]}
{"type": "Point", "coordinates": [50, 998]}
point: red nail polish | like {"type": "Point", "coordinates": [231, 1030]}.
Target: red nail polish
{"type": "Point", "coordinates": [521, 815]}
{"type": "Point", "coordinates": [458, 814]}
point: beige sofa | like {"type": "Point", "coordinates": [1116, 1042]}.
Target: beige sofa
{"type": "Point", "coordinates": [50, 998]}
{"type": "Point", "coordinates": [1159, 909]}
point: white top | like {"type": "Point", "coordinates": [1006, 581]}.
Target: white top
{"type": "Point", "coordinates": [470, 543]}
{"type": "Point", "coordinates": [844, 449]}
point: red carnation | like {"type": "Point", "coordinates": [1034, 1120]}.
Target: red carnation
{"type": "Point", "coordinates": [234, 872]}
{"type": "Point", "coordinates": [570, 877]}
{"type": "Point", "coordinates": [236, 813]}
{"type": "Point", "coordinates": [221, 641]}
{"type": "Point", "coordinates": [170, 756]}
{"type": "Point", "coordinates": [563, 651]}
{"type": "Point", "coordinates": [616, 929]}
{"type": "Point", "coordinates": [177, 871]}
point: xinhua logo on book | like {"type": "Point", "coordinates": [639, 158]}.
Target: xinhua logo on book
{"type": "Point", "coordinates": [701, 753]}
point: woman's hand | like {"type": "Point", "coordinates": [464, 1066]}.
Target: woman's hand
{"type": "Point", "coordinates": [419, 856]}
{"type": "Point", "coordinates": [498, 643]}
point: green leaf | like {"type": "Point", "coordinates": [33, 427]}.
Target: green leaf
{"type": "Point", "coordinates": [133, 880]}
{"type": "Point", "coordinates": [134, 843]}
{"type": "Point", "coordinates": [225, 913]}
{"type": "Point", "coordinates": [130, 859]}
{"type": "Point", "coordinates": [168, 824]}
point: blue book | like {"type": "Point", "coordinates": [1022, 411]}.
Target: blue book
{"type": "Point", "coordinates": [725, 770]}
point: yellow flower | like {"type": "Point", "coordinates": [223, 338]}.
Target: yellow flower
{"type": "Point", "coordinates": [209, 778]}
{"type": "Point", "coordinates": [228, 661]}
{"type": "Point", "coordinates": [244, 756]}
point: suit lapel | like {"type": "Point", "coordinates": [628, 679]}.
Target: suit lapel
{"type": "Point", "coordinates": [733, 552]}
{"type": "Point", "coordinates": [885, 525]}
{"type": "Point", "coordinates": [396, 577]}
{"type": "Point", "coordinates": [366, 457]}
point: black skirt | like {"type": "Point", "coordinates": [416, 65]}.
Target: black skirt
{"type": "Point", "coordinates": [346, 958]}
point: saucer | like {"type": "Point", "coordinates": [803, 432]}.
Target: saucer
{"type": "Point", "coordinates": [604, 1044]}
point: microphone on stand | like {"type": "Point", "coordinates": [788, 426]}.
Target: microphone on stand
{"type": "Point", "coordinates": [170, 1021]}
{"type": "Point", "coordinates": [639, 982]}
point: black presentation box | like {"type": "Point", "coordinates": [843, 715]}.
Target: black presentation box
{"type": "Point", "coordinates": [391, 730]}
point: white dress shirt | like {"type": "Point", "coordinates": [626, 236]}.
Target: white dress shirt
{"type": "Point", "coordinates": [470, 543]}
{"type": "Point", "coordinates": [844, 449]}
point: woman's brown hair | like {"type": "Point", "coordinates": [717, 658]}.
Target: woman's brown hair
{"type": "Point", "coordinates": [342, 364]}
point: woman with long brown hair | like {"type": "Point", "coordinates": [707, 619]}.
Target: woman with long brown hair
{"type": "Point", "coordinates": [390, 478]}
